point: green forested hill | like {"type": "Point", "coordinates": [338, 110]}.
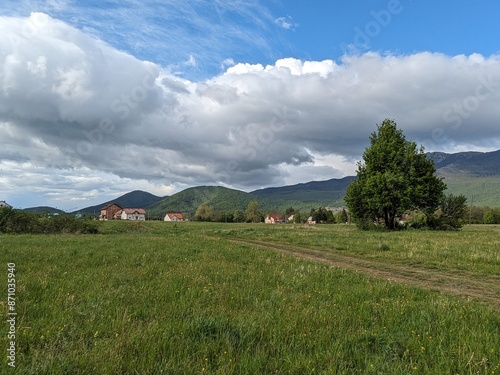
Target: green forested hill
{"type": "Point", "coordinates": [473, 174]}
{"type": "Point", "coordinates": [480, 191]}
{"type": "Point", "coordinates": [476, 164]}
{"type": "Point", "coordinates": [219, 198]}
{"type": "Point", "coordinates": [134, 199]}
{"type": "Point", "coordinates": [308, 195]}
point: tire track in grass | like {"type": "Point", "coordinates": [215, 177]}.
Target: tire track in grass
{"type": "Point", "coordinates": [462, 283]}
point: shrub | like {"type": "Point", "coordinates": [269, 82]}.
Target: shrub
{"type": "Point", "coordinates": [417, 220]}
{"type": "Point", "coordinates": [452, 211]}
{"type": "Point", "coordinates": [16, 221]}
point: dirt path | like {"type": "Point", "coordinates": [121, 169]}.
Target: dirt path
{"type": "Point", "coordinates": [477, 287]}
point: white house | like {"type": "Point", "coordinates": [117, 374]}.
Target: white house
{"type": "Point", "coordinates": [173, 217]}
{"type": "Point", "coordinates": [4, 204]}
{"type": "Point", "coordinates": [137, 214]}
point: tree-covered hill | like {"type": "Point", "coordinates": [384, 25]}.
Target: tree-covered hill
{"type": "Point", "coordinates": [218, 197]}
{"type": "Point", "coordinates": [308, 195]}
{"type": "Point", "coordinates": [477, 164]}
{"type": "Point", "coordinates": [134, 199]}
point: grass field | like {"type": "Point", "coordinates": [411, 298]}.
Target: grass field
{"type": "Point", "coordinates": [202, 298]}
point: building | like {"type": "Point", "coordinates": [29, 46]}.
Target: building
{"type": "Point", "coordinates": [4, 204]}
{"type": "Point", "coordinates": [173, 217]}
{"type": "Point", "coordinates": [110, 211]}
{"type": "Point", "coordinates": [273, 219]}
{"type": "Point", "coordinates": [136, 214]}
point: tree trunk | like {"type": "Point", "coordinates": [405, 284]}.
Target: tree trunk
{"type": "Point", "coordinates": [389, 220]}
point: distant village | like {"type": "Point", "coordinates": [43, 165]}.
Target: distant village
{"type": "Point", "coordinates": [114, 211]}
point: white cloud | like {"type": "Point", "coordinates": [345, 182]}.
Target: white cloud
{"type": "Point", "coordinates": [166, 31]}
{"type": "Point", "coordinates": [227, 63]}
{"type": "Point", "coordinates": [67, 189]}
{"type": "Point", "coordinates": [286, 23]}
{"type": "Point", "coordinates": [191, 62]}
{"type": "Point", "coordinates": [298, 67]}
{"type": "Point", "coordinates": [70, 102]}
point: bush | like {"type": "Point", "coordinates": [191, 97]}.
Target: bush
{"type": "Point", "coordinates": [452, 212]}
{"type": "Point", "coordinates": [417, 220]}
{"type": "Point", "coordinates": [16, 221]}
{"type": "Point", "coordinates": [369, 224]}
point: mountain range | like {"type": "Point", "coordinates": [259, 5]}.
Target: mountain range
{"type": "Point", "coordinates": [473, 174]}
{"type": "Point", "coordinates": [134, 199]}
{"type": "Point", "coordinates": [475, 164]}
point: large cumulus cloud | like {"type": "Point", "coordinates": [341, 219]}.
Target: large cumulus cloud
{"type": "Point", "coordinates": [68, 100]}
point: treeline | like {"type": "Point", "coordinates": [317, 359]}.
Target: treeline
{"type": "Point", "coordinates": [451, 214]}
{"type": "Point", "coordinates": [16, 221]}
{"type": "Point", "coordinates": [483, 215]}
{"type": "Point", "coordinates": [252, 214]}
{"type": "Point", "coordinates": [325, 216]}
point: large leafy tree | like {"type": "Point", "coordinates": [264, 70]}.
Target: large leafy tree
{"type": "Point", "coordinates": [203, 213]}
{"type": "Point", "coordinates": [252, 213]}
{"type": "Point", "coordinates": [394, 177]}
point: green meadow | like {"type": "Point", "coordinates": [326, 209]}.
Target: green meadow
{"type": "Point", "coordinates": [206, 298]}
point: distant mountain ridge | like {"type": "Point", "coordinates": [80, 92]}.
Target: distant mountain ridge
{"type": "Point", "coordinates": [476, 175]}
{"type": "Point", "coordinates": [134, 199]}
{"type": "Point", "coordinates": [310, 194]}
{"type": "Point", "coordinates": [479, 164]}
{"type": "Point", "coordinates": [473, 174]}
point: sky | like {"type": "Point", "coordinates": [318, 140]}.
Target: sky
{"type": "Point", "coordinates": [100, 98]}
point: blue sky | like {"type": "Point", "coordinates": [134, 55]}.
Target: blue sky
{"type": "Point", "coordinates": [171, 32]}
{"type": "Point", "coordinates": [98, 98]}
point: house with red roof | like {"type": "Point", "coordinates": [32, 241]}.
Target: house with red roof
{"type": "Point", "coordinates": [273, 219]}
{"type": "Point", "coordinates": [173, 217]}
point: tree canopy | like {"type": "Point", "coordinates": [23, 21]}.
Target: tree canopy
{"type": "Point", "coordinates": [203, 212]}
{"type": "Point", "coordinates": [252, 213]}
{"type": "Point", "coordinates": [393, 178]}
